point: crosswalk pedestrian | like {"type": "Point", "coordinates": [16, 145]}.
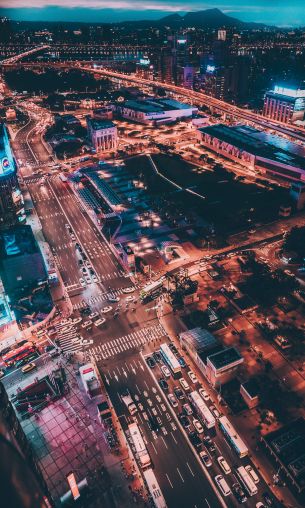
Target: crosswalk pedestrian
{"type": "Point", "coordinates": [133, 340]}
{"type": "Point", "coordinates": [100, 297]}
{"type": "Point", "coordinates": [68, 338]}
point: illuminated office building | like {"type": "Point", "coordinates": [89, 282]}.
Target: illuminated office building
{"type": "Point", "coordinates": [284, 104]}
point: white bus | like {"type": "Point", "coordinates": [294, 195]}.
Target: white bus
{"type": "Point", "coordinates": [154, 489]}
{"type": "Point", "coordinates": [151, 291]}
{"type": "Point", "coordinates": [246, 481]}
{"type": "Point", "coordinates": [170, 359]}
{"type": "Point", "coordinates": [63, 177]}
{"type": "Point", "coordinates": [232, 437]}
{"type": "Point", "coordinates": [202, 410]}
{"type": "Point", "coordinates": [139, 445]}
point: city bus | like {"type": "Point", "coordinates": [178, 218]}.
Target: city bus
{"type": "Point", "coordinates": [139, 446]}
{"type": "Point", "coordinates": [246, 481]}
{"type": "Point", "coordinates": [171, 360]}
{"type": "Point", "coordinates": [202, 409]}
{"type": "Point", "coordinates": [154, 489]}
{"type": "Point", "coordinates": [232, 437]}
{"type": "Point", "coordinates": [151, 291]}
{"type": "Point", "coordinates": [19, 353]}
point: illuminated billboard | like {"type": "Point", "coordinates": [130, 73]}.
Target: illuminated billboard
{"type": "Point", "coordinates": [7, 164]}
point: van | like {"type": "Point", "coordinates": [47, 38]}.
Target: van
{"type": "Point", "coordinates": [184, 384]}
{"type": "Point", "coordinates": [222, 485]}
{"type": "Point", "coordinates": [224, 465]}
{"type": "Point", "coordinates": [252, 473]}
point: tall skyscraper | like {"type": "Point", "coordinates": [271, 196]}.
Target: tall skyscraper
{"type": "Point", "coordinates": [11, 200]}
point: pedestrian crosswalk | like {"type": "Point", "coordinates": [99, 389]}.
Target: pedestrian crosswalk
{"type": "Point", "coordinates": [100, 297]}
{"type": "Point", "coordinates": [132, 340]}
{"type": "Point", "coordinates": [69, 340]}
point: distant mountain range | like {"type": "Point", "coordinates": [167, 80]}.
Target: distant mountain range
{"type": "Point", "coordinates": [209, 18]}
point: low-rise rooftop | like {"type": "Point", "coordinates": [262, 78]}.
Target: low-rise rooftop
{"type": "Point", "coordinates": [156, 105]}
{"type": "Point", "coordinates": [98, 124]}
{"type": "Point", "coordinates": [259, 143]}
{"type": "Point", "coordinates": [226, 357]}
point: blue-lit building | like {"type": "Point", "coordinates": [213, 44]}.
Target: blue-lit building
{"type": "Point", "coordinates": [284, 104]}
{"type": "Point", "coordinates": [11, 200]}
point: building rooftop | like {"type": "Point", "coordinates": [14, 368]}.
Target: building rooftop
{"type": "Point", "coordinates": [259, 143]}
{"type": "Point", "coordinates": [224, 358]}
{"type": "Point", "coordinates": [280, 96]}
{"type": "Point", "coordinates": [156, 105]}
{"type": "Point", "coordinates": [288, 444]}
{"type": "Point", "coordinates": [17, 242]}
{"type": "Point", "coordinates": [97, 124]}
{"type": "Point", "coordinates": [252, 388]}
{"type": "Point", "coordinates": [200, 339]}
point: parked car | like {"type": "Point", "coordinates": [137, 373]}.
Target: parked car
{"type": "Point", "coordinates": [150, 362]}
{"type": "Point", "coordinates": [205, 458]}
{"type": "Point", "coordinates": [239, 493]}
{"type": "Point", "coordinates": [165, 371]}
{"type": "Point", "coordinates": [163, 384]}
{"type": "Point", "coordinates": [172, 400]}
{"type": "Point", "coordinates": [204, 394]}
{"type": "Point", "coordinates": [224, 465]}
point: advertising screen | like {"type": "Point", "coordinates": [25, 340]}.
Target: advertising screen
{"type": "Point", "coordinates": [7, 164]}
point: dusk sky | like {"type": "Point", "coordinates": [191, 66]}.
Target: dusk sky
{"type": "Point", "coordinates": [275, 12]}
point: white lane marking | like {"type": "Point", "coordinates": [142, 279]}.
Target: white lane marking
{"type": "Point", "coordinates": [152, 444]}
{"type": "Point", "coordinates": [169, 481]}
{"type": "Point", "coordinates": [190, 468]}
{"type": "Point", "coordinates": [180, 474]}
{"type": "Point", "coordinates": [138, 389]}
{"type": "Point", "coordinates": [174, 438]}
{"type": "Point", "coordinates": [207, 502]}
{"type": "Point", "coordinates": [165, 443]}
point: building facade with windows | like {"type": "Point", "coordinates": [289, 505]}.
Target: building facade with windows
{"type": "Point", "coordinates": [103, 134]}
{"type": "Point", "coordinates": [284, 104]}
{"type": "Point", "coordinates": [257, 150]}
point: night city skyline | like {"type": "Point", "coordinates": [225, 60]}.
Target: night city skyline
{"type": "Point", "coordinates": [277, 12]}
{"type": "Point", "coordinates": [152, 254]}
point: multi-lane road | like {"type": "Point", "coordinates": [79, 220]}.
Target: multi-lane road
{"type": "Point", "coordinates": [128, 330]}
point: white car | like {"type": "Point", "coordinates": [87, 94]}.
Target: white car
{"type": "Point", "coordinates": [141, 407]}
{"type": "Point", "coordinates": [163, 407]}
{"type": "Point", "coordinates": [94, 278]}
{"type": "Point", "coordinates": [224, 465]}
{"type": "Point", "coordinates": [88, 279]}
{"type": "Point", "coordinates": [86, 324]}
{"type": "Point", "coordinates": [82, 282]}
{"type": "Point", "coordinates": [145, 415]}
{"type": "Point", "coordinates": [129, 289]}
{"type": "Point", "coordinates": [100, 322]}
{"type": "Point", "coordinates": [192, 376]}
{"type": "Point", "coordinates": [87, 264]}
{"type": "Point", "coordinates": [129, 298]}
{"type": "Point", "coordinates": [172, 400]}
{"type": "Point", "coordinates": [67, 226]}
{"type": "Point", "coordinates": [106, 309]}
{"type": "Point", "coordinates": [93, 315]}
{"type": "Point", "coordinates": [252, 473]}
{"type": "Point", "coordinates": [204, 394]}
{"type": "Point", "coordinates": [198, 426]}
{"type": "Point", "coordinates": [150, 402]}
{"type": "Point", "coordinates": [166, 371]}
{"type": "Point", "coordinates": [214, 411]}
{"type": "Point", "coordinates": [113, 299]}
